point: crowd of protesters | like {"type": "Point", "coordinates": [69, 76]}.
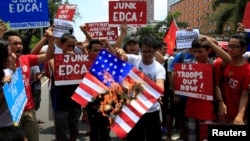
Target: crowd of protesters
{"type": "Point", "coordinates": [230, 94]}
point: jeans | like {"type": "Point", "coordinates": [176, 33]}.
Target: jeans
{"type": "Point", "coordinates": [66, 124]}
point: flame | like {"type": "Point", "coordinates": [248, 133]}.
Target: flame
{"type": "Point", "coordinates": [111, 102]}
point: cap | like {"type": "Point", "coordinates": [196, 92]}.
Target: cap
{"type": "Point", "coordinates": [132, 39]}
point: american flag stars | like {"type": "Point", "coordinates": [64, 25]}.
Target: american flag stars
{"type": "Point", "coordinates": [108, 63]}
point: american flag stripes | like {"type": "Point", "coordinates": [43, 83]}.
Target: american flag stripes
{"type": "Point", "coordinates": [132, 112]}
{"type": "Point", "coordinates": [98, 77]}
{"type": "Point", "coordinates": [96, 82]}
{"type": "Point", "coordinates": [88, 89]}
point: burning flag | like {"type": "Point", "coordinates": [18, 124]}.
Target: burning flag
{"type": "Point", "coordinates": [113, 75]}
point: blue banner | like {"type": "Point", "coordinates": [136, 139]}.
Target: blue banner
{"type": "Point", "coordinates": [24, 14]}
{"type": "Point", "coordinates": [15, 96]}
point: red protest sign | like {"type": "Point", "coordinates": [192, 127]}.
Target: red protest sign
{"type": "Point", "coordinates": [66, 12]}
{"type": "Point", "coordinates": [70, 69]}
{"type": "Point", "coordinates": [102, 30]}
{"type": "Point", "coordinates": [132, 12]}
{"type": "Point", "coordinates": [194, 80]}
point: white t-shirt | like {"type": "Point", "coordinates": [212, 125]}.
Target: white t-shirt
{"type": "Point", "coordinates": [57, 49]}
{"type": "Point", "coordinates": [246, 55]}
{"type": "Point", "coordinates": [154, 71]}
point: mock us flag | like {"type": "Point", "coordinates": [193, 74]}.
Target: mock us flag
{"type": "Point", "coordinates": [131, 113]}
{"type": "Point", "coordinates": [108, 69]}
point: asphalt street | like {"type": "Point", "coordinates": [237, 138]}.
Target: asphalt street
{"type": "Point", "coordinates": [44, 113]}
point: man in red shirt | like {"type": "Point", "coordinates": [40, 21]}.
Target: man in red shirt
{"type": "Point", "coordinates": [234, 83]}
{"type": "Point", "coordinates": [28, 121]}
{"type": "Point", "coordinates": [197, 118]}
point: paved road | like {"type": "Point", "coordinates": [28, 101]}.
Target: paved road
{"type": "Point", "coordinates": [46, 134]}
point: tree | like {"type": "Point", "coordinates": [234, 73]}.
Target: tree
{"type": "Point", "coordinates": [52, 6]}
{"type": "Point", "coordinates": [230, 13]}
{"type": "Point", "coordinates": [167, 21]}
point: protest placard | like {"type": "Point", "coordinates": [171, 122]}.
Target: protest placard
{"type": "Point", "coordinates": [185, 38]}
{"type": "Point", "coordinates": [24, 14]}
{"type": "Point", "coordinates": [132, 12]}
{"type": "Point", "coordinates": [66, 12]}
{"type": "Point", "coordinates": [102, 30]}
{"type": "Point", "coordinates": [62, 27]}
{"type": "Point", "coordinates": [194, 80]}
{"type": "Point", "coordinates": [63, 20]}
{"type": "Point", "coordinates": [15, 96]}
{"type": "Point", "coordinates": [70, 69]}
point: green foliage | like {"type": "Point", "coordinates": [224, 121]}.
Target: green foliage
{"type": "Point", "coordinates": [150, 31]}
{"type": "Point", "coordinates": [34, 41]}
{"type": "Point", "coordinates": [172, 16]}
{"type": "Point", "coordinates": [53, 6]}
{"type": "Point", "coordinates": [229, 12]}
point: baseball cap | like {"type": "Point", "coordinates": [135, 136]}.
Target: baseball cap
{"type": "Point", "coordinates": [132, 39]}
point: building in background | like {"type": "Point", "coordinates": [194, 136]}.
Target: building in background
{"type": "Point", "coordinates": [172, 2]}
{"type": "Point", "coordinates": [193, 12]}
{"type": "Point", "coordinates": [198, 14]}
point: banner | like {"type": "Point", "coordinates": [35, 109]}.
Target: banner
{"type": "Point", "coordinates": [63, 20]}
{"type": "Point", "coordinates": [185, 38]}
{"type": "Point", "coordinates": [66, 12]}
{"type": "Point", "coordinates": [133, 13]}
{"type": "Point", "coordinates": [15, 95]}
{"type": "Point", "coordinates": [70, 69]}
{"type": "Point", "coordinates": [62, 27]}
{"type": "Point", "coordinates": [194, 80]}
{"type": "Point", "coordinates": [170, 37]}
{"type": "Point", "coordinates": [23, 14]}
{"type": "Point", "coordinates": [102, 30]}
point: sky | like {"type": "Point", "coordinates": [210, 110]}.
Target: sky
{"type": "Point", "coordinates": [97, 11]}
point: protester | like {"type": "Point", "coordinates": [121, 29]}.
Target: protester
{"type": "Point", "coordinates": [184, 56]}
{"type": "Point", "coordinates": [149, 125]}
{"type": "Point", "coordinates": [168, 106]}
{"type": "Point", "coordinates": [8, 132]}
{"type": "Point", "coordinates": [132, 46]}
{"type": "Point", "coordinates": [12, 133]}
{"type": "Point", "coordinates": [36, 76]}
{"type": "Point", "coordinates": [28, 121]}
{"type": "Point", "coordinates": [120, 39]}
{"type": "Point", "coordinates": [98, 124]}
{"type": "Point", "coordinates": [161, 53]}
{"type": "Point", "coordinates": [3, 28]}
{"type": "Point", "coordinates": [197, 119]}
{"type": "Point", "coordinates": [162, 57]}
{"type": "Point", "coordinates": [234, 83]}
{"type": "Point", "coordinates": [66, 111]}
{"type": "Point", "coordinates": [5, 116]}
